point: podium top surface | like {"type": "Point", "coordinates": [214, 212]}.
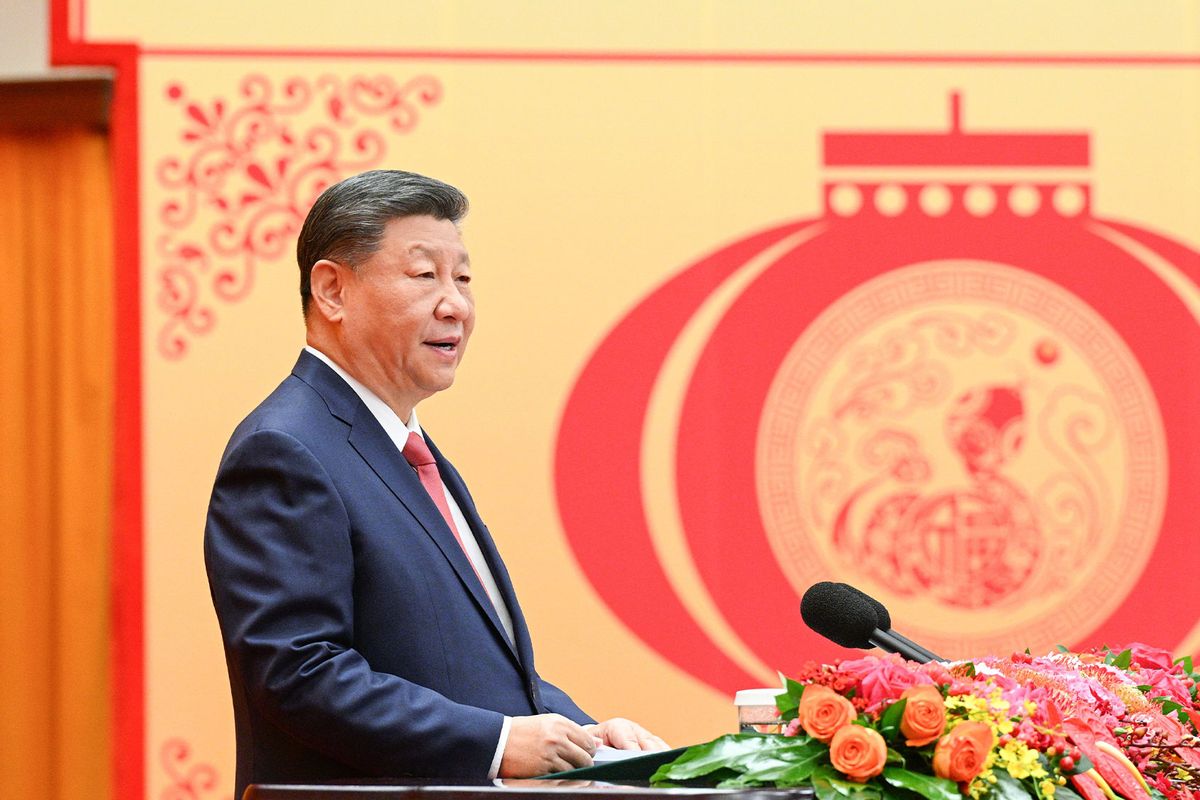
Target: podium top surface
{"type": "Point", "coordinates": [509, 790]}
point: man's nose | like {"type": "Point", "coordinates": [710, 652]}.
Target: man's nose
{"type": "Point", "coordinates": [453, 303]}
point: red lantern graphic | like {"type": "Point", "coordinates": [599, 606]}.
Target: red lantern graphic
{"type": "Point", "coordinates": [965, 394]}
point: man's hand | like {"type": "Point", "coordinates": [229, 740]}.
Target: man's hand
{"type": "Point", "coordinates": [545, 743]}
{"type": "Point", "coordinates": [625, 735]}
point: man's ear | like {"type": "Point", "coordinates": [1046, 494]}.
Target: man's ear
{"type": "Point", "coordinates": [327, 282]}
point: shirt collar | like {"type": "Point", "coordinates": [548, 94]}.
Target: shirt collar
{"type": "Point", "coordinates": [396, 429]}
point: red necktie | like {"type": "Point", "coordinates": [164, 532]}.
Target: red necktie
{"type": "Point", "coordinates": [416, 452]}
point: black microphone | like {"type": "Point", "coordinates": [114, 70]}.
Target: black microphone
{"type": "Point", "coordinates": [848, 617]}
{"type": "Point", "coordinates": [884, 623]}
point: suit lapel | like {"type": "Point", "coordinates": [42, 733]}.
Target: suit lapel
{"type": "Point", "coordinates": [466, 504]}
{"type": "Point", "coordinates": [372, 443]}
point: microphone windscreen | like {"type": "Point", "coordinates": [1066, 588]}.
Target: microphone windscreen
{"type": "Point", "coordinates": [842, 616]}
{"type": "Point", "coordinates": [883, 618]}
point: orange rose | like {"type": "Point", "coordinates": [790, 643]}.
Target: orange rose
{"type": "Point", "coordinates": [924, 715]}
{"type": "Point", "coordinates": [961, 753]}
{"type": "Point", "coordinates": [858, 753]}
{"type": "Point", "coordinates": [823, 711]}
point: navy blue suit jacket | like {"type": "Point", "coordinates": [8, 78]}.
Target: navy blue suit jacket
{"type": "Point", "coordinates": [358, 639]}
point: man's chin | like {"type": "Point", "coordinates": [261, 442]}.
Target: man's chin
{"type": "Point", "coordinates": [438, 383]}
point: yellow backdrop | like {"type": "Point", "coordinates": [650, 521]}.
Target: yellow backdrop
{"type": "Point", "coordinates": [604, 147]}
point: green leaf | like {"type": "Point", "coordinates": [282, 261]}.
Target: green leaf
{"type": "Point", "coordinates": [789, 700]}
{"type": "Point", "coordinates": [789, 766]}
{"type": "Point", "coordinates": [711, 779]}
{"type": "Point", "coordinates": [793, 773]}
{"type": "Point", "coordinates": [822, 783]}
{"type": "Point", "coordinates": [1066, 793]}
{"type": "Point", "coordinates": [725, 752]}
{"type": "Point", "coordinates": [824, 789]}
{"type": "Point", "coordinates": [1007, 787]}
{"type": "Point", "coordinates": [1168, 705]}
{"type": "Point", "coordinates": [969, 668]}
{"type": "Point", "coordinates": [927, 786]}
{"type": "Point", "coordinates": [1062, 648]}
{"type": "Point", "coordinates": [720, 776]}
{"type": "Point", "coordinates": [838, 787]}
{"type": "Point", "coordinates": [1186, 661]}
{"type": "Point", "coordinates": [862, 791]}
{"type": "Point", "coordinates": [1121, 660]}
{"type": "Point", "coordinates": [896, 793]}
{"type": "Point", "coordinates": [889, 723]}
{"type": "Point", "coordinates": [752, 758]}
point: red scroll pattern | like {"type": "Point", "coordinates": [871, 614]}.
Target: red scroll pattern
{"type": "Point", "coordinates": [254, 167]}
{"type": "Point", "coordinates": [193, 782]}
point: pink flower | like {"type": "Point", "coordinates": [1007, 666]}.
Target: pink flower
{"type": "Point", "coordinates": [1164, 684]}
{"type": "Point", "coordinates": [937, 673]}
{"type": "Point", "coordinates": [883, 678]}
{"type": "Point", "coordinates": [1146, 656]}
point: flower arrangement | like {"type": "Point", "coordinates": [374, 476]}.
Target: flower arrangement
{"type": "Point", "coordinates": [1105, 724]}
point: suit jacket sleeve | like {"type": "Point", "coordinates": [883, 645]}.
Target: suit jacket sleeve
{"type": "Point", "coordinates": [280, 564]}
{"type": "Point", "coordinates": [557, 701]}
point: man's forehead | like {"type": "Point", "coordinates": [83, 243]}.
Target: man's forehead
{"type": "Point", "coordinates": [427, 237]}
{"type": "Point", "coordinates": [438, 249]}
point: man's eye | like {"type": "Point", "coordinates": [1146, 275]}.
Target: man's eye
{"type": "Point", "coordinates": [463, 278]}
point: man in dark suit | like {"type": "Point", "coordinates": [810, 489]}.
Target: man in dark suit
{"type": "Point", "coordinates": [370, 626]}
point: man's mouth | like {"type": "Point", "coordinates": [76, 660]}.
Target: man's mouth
{"type": "Point", "coordinates": [448, 345]}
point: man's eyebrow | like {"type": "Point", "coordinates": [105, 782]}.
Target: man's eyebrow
{"type": "Point", "coordinates": [432, 252]}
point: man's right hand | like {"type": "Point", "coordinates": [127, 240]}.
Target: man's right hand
{"type": "Point", "coordinates": [545, 743]}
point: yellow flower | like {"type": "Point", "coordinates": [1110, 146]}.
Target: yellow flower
{"type": "Point", "coordinates": [1020, 761]}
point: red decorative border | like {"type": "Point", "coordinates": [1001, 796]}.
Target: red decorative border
{"type": "Point", "coordinates": [68, 47]}
{"type": "Point", "coordinates": [710, 57]}
{"type": "Point", "coordinates": [128, 646]}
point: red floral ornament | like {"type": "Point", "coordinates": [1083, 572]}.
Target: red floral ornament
{"type": "Point", "coordinates": [186, 782]}
{"type": "Point", "coordinates": [252, 169]}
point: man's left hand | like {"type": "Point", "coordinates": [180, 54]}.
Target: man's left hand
{"type": "Point", "coordinates": [624, 734]}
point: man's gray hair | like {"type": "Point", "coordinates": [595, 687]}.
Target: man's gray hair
{"type": "Point", "coordinates": [347, 222]}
